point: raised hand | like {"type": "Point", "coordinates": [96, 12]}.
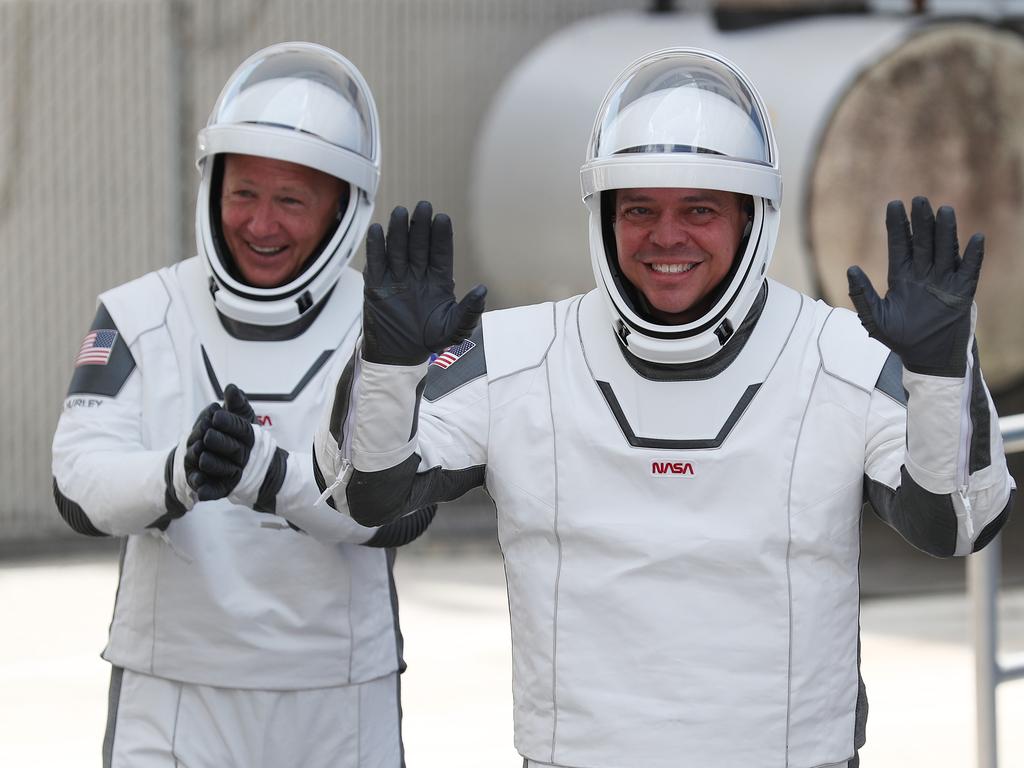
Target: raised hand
{"type": "Point", "coordinates": [925, 317]}
{"type": "Point", "coordinates": [409, 307]}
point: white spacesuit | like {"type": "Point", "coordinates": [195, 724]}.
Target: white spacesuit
{"type": "Point", "coordinates": [678, 503]}
{"type": "Point", "coordinates": [273, 593]}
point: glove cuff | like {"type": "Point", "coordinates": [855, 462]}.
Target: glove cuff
{"type": "Point", "coordinates": [261, 458]}
{"type": "Point", "coordinates": [386, 405]}
{"type": "Point", "coordinates": [178, 492]}
{"type": "Point", "coordinates": [266, 498]}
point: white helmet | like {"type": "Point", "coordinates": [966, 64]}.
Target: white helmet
{"type": "Point", "coordinates": [685, 118]}
{"type": "Point", "coordinates": [305, 104]}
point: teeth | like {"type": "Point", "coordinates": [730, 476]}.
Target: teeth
{"type": "Point", "coordinates": [672, 268]}
{"type": "Point", "coordinates": [267, 251]}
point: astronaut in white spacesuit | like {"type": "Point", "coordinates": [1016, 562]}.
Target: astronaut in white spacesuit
{"type": "Point", "coordinates": [679, 458]}
{"type": "Point", "coordinates": [253, 625]}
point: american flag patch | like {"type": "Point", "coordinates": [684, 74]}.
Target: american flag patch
{"type": "Point", "coordinates": [451, 355]}
{"type": "Point", "coordinates": [96, 347]}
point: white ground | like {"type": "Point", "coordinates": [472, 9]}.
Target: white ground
{"type": "Point", "coordinates": [457, 698]}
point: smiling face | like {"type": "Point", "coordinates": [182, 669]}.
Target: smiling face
{"type": "Point", "coordinates": [676, 245]}
{"type": "Point", "coordinates": [274, 214]}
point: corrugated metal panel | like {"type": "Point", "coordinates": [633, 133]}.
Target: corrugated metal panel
{"type": "Point", "coordinates": [87, 166]}
{"type": "Point", "coordinates": [96, 154]}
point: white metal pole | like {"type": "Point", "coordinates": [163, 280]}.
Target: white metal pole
{"type": "Point", "coordinates": [983, 585]}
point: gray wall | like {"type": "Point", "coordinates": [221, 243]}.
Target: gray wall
{"type": "Point", "coordinates": [101, 100]}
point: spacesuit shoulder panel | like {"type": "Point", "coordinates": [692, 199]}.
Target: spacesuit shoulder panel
{"type": "Point", "coordinates": [847, 352]}
{"type": "Point", "coordinates": [138, 305]}
{"type": "Point", "coordinates": [458, 365]}
{"type": "Point", "coordinates": [104, 361]}
{"type": "Point", "coordinates": [518, 338]}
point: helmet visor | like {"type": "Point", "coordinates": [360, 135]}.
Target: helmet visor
{"type": "Point", "coordinates": [684, 103]}
{"type": "Point", "coordinates": [683, 118]}
{"type": "Point", "coordinates": [301, 103]}
{"type": "Point", "coordinates": [296, 87]}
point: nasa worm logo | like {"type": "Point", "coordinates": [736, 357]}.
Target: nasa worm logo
{"type": "Point", "coordinates": [672, 469]}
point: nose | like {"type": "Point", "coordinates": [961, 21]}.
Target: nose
{"type": "Point", "coordinates": [668, 232]}
{"type": "Point", "coordinates": [262, 222]}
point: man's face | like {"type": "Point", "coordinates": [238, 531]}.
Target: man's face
{"type": "Point", "coordinates": [676, 245]}
{"type": "Point", "coordinates": [274, 214]}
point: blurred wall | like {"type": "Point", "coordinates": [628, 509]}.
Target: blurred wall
{"type": "Point", "coordinates": [101, 100]}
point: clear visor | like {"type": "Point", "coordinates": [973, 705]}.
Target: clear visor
{"type": "Point", "coordinates": [307, 88]}
{"type": "Point", "coordinates": [687, 102]}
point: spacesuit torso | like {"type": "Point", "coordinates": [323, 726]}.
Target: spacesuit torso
{"type": "Point", "coordinates": [633, 602]}
{"type": "Point", "coordinates": [225, 596]}
{"type": "Point", "coordinates": [681, 542]}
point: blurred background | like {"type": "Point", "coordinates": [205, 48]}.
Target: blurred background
{"type": "Point", "coordinates": [486, 106]}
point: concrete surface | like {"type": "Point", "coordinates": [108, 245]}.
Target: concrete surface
{"type": "Point", "coordinates": [457, 697]}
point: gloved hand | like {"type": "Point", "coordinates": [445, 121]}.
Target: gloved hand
{"type": "Point", "coordinates": [239, 459]}
{"type": "Point", "coordinates": [181, 471]}
{"type": "Point", "coordinates": [409, 308]}
{"type": "Point", "coordinates": [193, 445]}
{"type": "Point", "coordinates": [925, 317]}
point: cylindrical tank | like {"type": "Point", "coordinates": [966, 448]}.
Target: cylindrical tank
{"type": "Point", "coordinates": [866, 109]}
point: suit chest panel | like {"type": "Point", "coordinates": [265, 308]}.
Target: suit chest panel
{"type": "Point", "coordinates": [287, 381]}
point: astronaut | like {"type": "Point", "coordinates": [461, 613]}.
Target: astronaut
{"type": "Point", "coordinates": [679, 458]}
{"type": "Point", "coordinates": [253, 625]}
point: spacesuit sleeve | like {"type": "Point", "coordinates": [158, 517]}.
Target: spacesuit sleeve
{"type": "Point", "coordinates": [935, 469]}
{"type": "Point", "coordinates": [295, 496]}
{"type": "Point", "coordinates": [105, 481]}
{"type": "Point", "coordinates": [383, 449]}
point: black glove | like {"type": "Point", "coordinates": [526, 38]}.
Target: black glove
{"type": "Point", "coordinates": [925, 317]}
{"type": "Point", "coordinates": [181, 470]}
{"type": "Point", "coordinates": [226, 442]}
{"type": "Point", "coordinates": [194, 446]}
{"type": "Point", "coordinates": [409, 308]}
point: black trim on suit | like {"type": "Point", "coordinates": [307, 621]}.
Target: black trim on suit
{"type": "Point", "coordinates": [268, 397]}
{"type": "Point", "coordinates": [654, 442]}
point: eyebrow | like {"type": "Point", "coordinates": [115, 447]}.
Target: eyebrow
{"type": "Point", "coordinates": [287, 190]}
{"type": "Point", "coordinates": [639, 197]}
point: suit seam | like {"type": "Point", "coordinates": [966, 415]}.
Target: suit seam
{"type": "Point", "coordinates": [174, 728]}
{"type": "Point", "coordinates": [789, 564]}
{"type": "Point", "coordinates": [558, 571]}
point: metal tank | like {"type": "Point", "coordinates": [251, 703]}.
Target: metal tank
{"type": "Point", "coordinates": [866, 109]}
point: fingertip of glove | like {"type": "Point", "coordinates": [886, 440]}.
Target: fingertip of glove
{"type": "Point", "coordinates": [233, 394]}
{"type": "Point", "coordinates": [205, 493]}
{"type": "Point", "coordinates": [478, 293]}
